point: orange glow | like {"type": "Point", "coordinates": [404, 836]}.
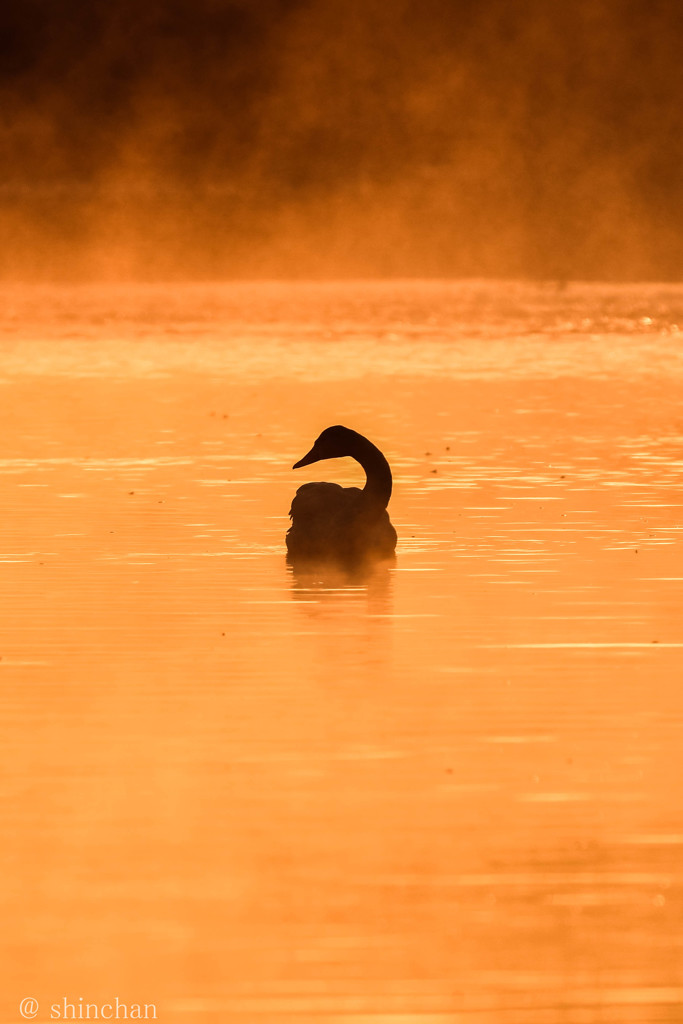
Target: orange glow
{"type": "Point", "coordinates": [446, 787]}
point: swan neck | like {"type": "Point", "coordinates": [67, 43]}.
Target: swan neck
{"type": "Point", "coordinates": [378, 481]}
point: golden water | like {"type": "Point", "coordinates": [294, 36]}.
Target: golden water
{"type": "Point", "coordinates": [447, 791]}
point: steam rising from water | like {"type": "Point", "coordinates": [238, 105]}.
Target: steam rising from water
{"type": "Point", "coordinates": [329, 138]}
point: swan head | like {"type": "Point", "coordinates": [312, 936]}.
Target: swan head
{"type": "Point", "coordinates": [333, 443]}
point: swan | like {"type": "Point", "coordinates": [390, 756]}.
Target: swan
{"type": "Point", "coordinates": [336, 523]}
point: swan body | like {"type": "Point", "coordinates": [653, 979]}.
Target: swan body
{"type": "Point", "coordinates": [330, 522]}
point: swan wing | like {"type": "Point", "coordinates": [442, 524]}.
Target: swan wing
{"type": "Point", "coordinates": [329, 520]}
{"type": "Point", "coordinates": [322, 502]}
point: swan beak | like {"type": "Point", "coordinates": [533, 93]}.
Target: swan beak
{"type": "Point", "coordinates": [310, 457]}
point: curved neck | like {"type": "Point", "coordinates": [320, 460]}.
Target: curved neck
{"type": "Point", "coordinates": [378, 483]}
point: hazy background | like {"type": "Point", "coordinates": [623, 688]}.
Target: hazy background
{"type": "Point", "coordinates": [297, 138]}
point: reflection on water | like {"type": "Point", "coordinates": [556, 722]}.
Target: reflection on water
{"type": "Point", "coordinates": [369, 581]}
{"type": "Point", "coordinates": [445, 788]}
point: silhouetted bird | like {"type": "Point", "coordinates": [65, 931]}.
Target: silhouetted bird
{"type": "Point", "coordinates": [344, 524]}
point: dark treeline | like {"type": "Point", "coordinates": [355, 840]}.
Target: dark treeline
{"type": "Point", "coordinates": [342, 137]}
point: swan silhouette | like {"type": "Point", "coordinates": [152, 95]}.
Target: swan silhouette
{"type": "Point", "coordinates": [343, 524]}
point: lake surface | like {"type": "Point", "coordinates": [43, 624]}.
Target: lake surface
{"type": "Point", "coordinates": [447, 790]}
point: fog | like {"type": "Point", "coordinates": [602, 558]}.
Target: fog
{"type": "Point", "coordinates": [341, 138]}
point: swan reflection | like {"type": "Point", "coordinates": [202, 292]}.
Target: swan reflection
{"type": "Point", "coordinates": [312, 581]}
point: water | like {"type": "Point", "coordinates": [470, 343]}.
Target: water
{"type": "Point", "coordinates": [445, 791]}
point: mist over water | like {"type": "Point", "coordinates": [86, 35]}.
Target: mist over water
{"type": "Point", "coordinates": [321, 138]}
